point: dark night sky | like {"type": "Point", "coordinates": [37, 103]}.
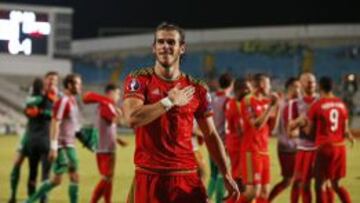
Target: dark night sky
{"type": "Point", "coordinates": [90, 15]}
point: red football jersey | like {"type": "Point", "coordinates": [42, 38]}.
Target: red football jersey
{"type": "Point", "coordinates": [254, 140]}
{"type": "Point", "coordinates": [165, 143]}
{"type": "Point", "coordinates": [233, 124]}
{"type": "Point", "coordinates": [328, 116]}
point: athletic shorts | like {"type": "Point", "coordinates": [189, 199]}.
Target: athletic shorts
{"type": "Point", "coordinates": [233, 149]}
{"type": "Point", "coordinates": [330, 162]}
{"type": "Point", "coordinates": [304, 165]}
{"type": "Point", "coordinates": [287, 163]}
{"type": "Point", "coordinates": [255, 168]}
{"type": "Point", "coordinates": [105, 163]}
{"type": "Point", "coordinates": [66, 161]}
{"type": "Point", "coordinates": [165, 188]}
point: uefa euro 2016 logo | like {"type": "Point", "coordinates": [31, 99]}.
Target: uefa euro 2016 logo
{"type": "Point", "coordinates": [133, 85]}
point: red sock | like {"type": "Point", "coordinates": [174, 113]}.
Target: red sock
{"type": "Point", "coordinates": [277, 190]}
{"type": "Point", "coordinates": [261, 200]}
{"type": "Point", "coordinates": [295, 193]}
{"type": "Point", "coordinates": [108, 192]}
{"type": "Point", "coordinates": [330, 195]}
{"type": "Point", "coordinates": [344, 195]}
{"type": "Point", "coordinates": [306, 194]}
{"type": "Point", "coordinates": [98, 192]}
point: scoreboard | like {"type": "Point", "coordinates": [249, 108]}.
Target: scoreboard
{"type": "Point", "coordinates": [35, 30]}
{"type": "Point", "coordinates": [24, 32]}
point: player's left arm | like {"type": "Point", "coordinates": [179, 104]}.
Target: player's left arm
{"type": "Point", "coordinates": [217, 153]}
{"type": "Point", "coordinates": [274, 119]}
{"type": "Point", "coordinates": [348, 134]}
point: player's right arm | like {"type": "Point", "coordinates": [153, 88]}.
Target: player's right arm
{"type": "Point", "coordinates": [54, 134]}
{"type": "Point", "coordinates": [138, 114]}
{"type": "Point", "coordinates": [60, 111]}
{"type": "Point", "coordinates": [258, 121]}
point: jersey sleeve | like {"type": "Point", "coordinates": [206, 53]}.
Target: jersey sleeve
{"type": "Point", "coordinates": [248, 109]}
{"type": "Point", "coordinates": [61, 109]}
{"type": "Point", "coordinates": [229, 110]}
{"type": "Point", "coordinates": [107, 112]}
{"type": "Point", "coordinates": [204, 109]}
{"type": "Point", "coordinates": [134, 87]}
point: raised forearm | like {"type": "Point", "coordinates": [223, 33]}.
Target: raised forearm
{"type": "Point", "coordinates": [145, 114]}
{"type": "Point", "coordinates": [54, 133]}
{"type": "Point", "coordinates": [260, 121]}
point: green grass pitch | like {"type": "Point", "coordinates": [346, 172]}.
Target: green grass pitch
{"type": "Point", "coordinates": [125, 170]}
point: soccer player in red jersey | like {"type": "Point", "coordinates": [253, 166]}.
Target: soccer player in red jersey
{"type": "Point", "coordinates": [306, 144]}
{"type": "Point", "coordinates": [328, 118]}
{"type": "Point", "coordinates": [234, 128]}
{"type": "Point", "coordinates": [160, 103]}
{"type": "Point", "coordinates": [108, 115]}
{"type": "Point", "coordinates": [287, 140]}
{"type": "Point", "coordinates": [259, 111]}
{"type": "Point", "coordinates": [234, 124]}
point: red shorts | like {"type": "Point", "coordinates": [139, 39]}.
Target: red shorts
{"type": "Point", "coordinates": [255, 168]}
{"type": "Point", "coordinates": [106, 163]}
{"type": "Point", "coordinates": [162, 188]}
{"type": "Point", "coordinates": [233, 143]}
{"type": "Point", "coordinates": [287, 163]}
{"type": "Point", "coordinates": [330, 162]}
{"type": "Point", "coordinates": [304, 165]}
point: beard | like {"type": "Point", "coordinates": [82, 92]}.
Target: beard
{"type": "Point", "coordinates": [168, 62]}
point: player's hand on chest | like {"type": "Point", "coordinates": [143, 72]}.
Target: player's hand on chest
{"type": "Point", "coordinates": [159, 91]}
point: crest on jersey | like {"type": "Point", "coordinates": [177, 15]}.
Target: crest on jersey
{"type": "Point", "coordinates": [133, 85]}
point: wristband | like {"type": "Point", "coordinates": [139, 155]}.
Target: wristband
{"type": "Point", "coordinates": [54, 144]}
{"type": "Point", "coordinates": [167, 103]}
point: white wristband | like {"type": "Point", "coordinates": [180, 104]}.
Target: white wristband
{"type": "Point", "coordinates": [54, 144]}
{"type": "Point", "coordinates": [167, 103]}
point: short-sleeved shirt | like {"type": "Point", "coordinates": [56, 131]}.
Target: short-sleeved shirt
{"type": "Point", "coordinates": [165, 143]}
{"type": "Point", "coordinates": [66, 111]}
{"type": "Point", "coordinates": [233, 119]}
{"type": "Point", "coordinates": [107, 127]}
{"type": "Point", "coordinates": [233, 125]}
{"type": "Point", "coordinates": [306, 142]}
{"type": "Point", "coordinates": [329, 117]}
{"type": "Point", "coordinates": [218, 102]}
{"type": "Point", "coordinates": [288, 111]}
{"type": "Point", "coordinates": [254, 140]}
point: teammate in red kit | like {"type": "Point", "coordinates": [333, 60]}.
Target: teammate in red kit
{"type": "Point", "coordinates": [108, 115]}
{"type": "Point", "coordinates": [218, 102]}
{"type": "Point", "coordinates": [287, 139]}
{"type": "Point", "coordinates": [259, 111]}
{"type": "Point", "coordinates": [306, 144]}
{"type": "Point", "coordinates": [234, 124]}
{"type": "Point", "coordinates": [234, 128]}
{"type": "Point", "coordinates": [160, 103]}
{"type": "Point", "coordinates": [328, 118]}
